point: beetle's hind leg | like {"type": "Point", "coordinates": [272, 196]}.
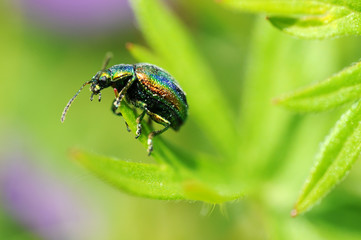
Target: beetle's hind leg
{"type": "Point", "coordinates": [114, 110]}
{"type": "Point", "coordinates": [152, 134]}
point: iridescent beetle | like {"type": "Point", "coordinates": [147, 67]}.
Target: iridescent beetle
{"type": "Point", "coordinates": [145, 86]}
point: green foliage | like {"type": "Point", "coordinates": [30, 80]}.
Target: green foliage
{"type": "Point", "coordinates": [311, 19]}
{"type": "Point", "coordinates": [318, 20]}
{"type": "Point", "coordinates": [261, 151]}
{"type": "Point", "coordinates": [197, 176]}
{"type": "Point", "coordinates": [342, 146]}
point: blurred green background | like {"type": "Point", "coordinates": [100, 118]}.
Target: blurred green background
{"type": "Point", "coordinates": [49, 48]}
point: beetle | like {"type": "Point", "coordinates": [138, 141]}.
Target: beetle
{"type": "Point", "coordinates": [146, 87]}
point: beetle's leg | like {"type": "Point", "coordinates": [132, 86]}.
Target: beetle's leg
{"type": "Point", "coordinates": [139, 125]}
{"type": "Point", "coordinates": [124, 91]}
{"type": "Point", "coordinates": [114, 110]}
{"type": "Point", "coordinates": [152, 134]}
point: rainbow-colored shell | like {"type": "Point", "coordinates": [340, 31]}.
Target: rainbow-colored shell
{"type": "Point", "coordinates": [154, 89]}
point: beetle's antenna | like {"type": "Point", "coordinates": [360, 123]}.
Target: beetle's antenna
{"type": "Point", "coordinates": [71, 101]}
{"type": "Point", "coordinates": [108, 57]}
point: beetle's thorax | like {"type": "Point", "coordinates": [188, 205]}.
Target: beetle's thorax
{"type": "Point", "coordinates": [120, 75]}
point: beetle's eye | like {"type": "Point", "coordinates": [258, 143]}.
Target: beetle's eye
{"type": "Point", "coordinates": [103, 78]}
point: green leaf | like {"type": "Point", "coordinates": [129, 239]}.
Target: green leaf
{"type": "Point", "coordinates": [146, 180]}
{"type": "Point", "coordinates": [156, 181]}
{"type": "Point", "coordinates": [174, 49]}
{"type": "Point", "coordinates": [338, 153]}
{"type": "Point", "coordinates": [339, 89]}
{"type": "Point", "coordinates": [312, 19]}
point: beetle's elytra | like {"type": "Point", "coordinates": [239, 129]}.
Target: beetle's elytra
{"type": "Point", "coordinates": [144, 86]}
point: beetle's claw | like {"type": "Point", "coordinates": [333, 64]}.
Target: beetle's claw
{"type": "Point", "coordinates": [91, 97]}
{"type": "Point", "coordinates": [100, 97]}
{"type": "Point", "coordinates": [150, 146]}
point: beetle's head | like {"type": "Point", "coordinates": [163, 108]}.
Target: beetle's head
{"type": "Point", "coordinates": [100, 81]}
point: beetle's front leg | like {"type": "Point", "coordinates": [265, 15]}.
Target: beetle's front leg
{"type": "Point", "coordinates": [122, 93]}
{"type": "Point", "coordinates": [114, 110]}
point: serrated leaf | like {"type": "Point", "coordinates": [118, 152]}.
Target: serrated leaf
{"type": "Point", "coordinates": [339, 89]}
{"type": "Point", "coordinates": [146, 180]}
{"type": "Point", "coordinates": [172, 44]}
{"type": "Point", "coordinates": [338, 153]}
{"type": "Point", "coordinates": [312, 19]}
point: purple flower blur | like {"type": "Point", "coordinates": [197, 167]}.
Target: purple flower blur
{"type": "Point", "coordinates": [78, 16]}
{"type": "Point", "coordinates": [42, 204]}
